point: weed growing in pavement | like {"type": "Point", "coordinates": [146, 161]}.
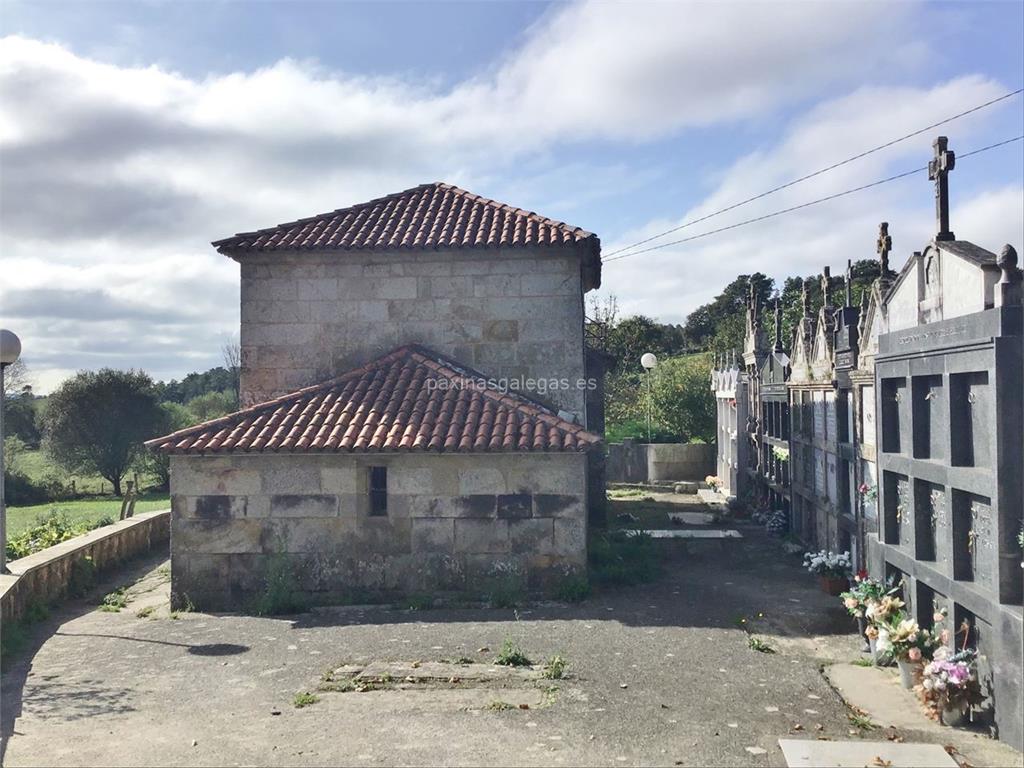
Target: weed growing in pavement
{"type": "Point", "coordinates": [624, 558]}
{"type": "Point", "coordinates": [115, 601]}
{"type": "Point", "coordinates": [512, 655]}
{"type": "Point", "coordinates": [759, 645]}
{"type": "Point", "coordinates": [499, 706]}
{"type": "Point", "coordinates": [145, 613]}
{"type": "Point", "coordinates": [861, 721]}
{"type": "Point", "coordinates": [555, 668]}
{"type": "Point", "coordinates": [573, 589]}
{"type": "Point", "coordinates": [305, 699]}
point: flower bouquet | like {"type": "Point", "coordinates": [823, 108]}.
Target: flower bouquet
{"type": "Point", "coordinates": [910, 645]}
{"type": "Point", "coordinates": [832, 568]}
{"type": "Point", "coordinates": [714, 482]}
{"type": "Point", "coordinates": [868, 492]}
{"type": "Point", "coordinates": [950, 683]}
{"type": "Point", "coordinates": [865, 591]}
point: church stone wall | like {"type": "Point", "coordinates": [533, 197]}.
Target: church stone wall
{"type": "Point", "coordinates": [508, 313]}
{"type": "Point", "coordinates": [455, 523]}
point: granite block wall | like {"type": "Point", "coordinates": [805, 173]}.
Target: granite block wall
{"type": "Point", "coordinates": [508, 313]}
{"type": "Point", "coordinates": [454, 524]}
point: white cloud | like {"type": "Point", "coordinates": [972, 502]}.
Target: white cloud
{"type": "Point", "coordinates": [116, 178]}
{"type": "Point", "coordinates": [661, 282]}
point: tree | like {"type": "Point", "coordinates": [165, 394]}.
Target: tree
{"type": "Point", "coordinates": [174, 416]}
{"type": "Point", "coordinates": [96, 422]}
{"type": "Point", "coordinates": [20, 419]}
{"type": "Point", "coordinates": [682, 399]}
{"type": "Point", "coordinates": [212, 405]}
{"type": "Point", "coordinates": [232, 353]}
{"type": "Point", "coordinates": [16, 378]}
{"type": "Point", "coordinates": [720, 324]}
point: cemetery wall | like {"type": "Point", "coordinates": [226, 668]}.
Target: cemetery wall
{"type": "Point", "coordinates": [45, 576]}
{"type": "Point", "coordinates": [454, 523]}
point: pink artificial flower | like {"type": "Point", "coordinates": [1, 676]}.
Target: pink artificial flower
{"type": "Point", "coordinates": [914, 654]}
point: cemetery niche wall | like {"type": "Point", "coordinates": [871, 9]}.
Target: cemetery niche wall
{"type": "Point", "coordinates": [949, 397]}
{"type": "Point", "coordinates": [729, 386]}
{"type": "Point", "coordinates": [906, 438]}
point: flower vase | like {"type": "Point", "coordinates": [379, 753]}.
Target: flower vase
{"type": "Point", "coordinates": [873, 646]}
{"type": "Point", "coordinates": [833, 585]}
{"type": "Point", "coordinates": [862, 625]}
{"type": "Point", "coordinates": [953, 715]}
{"type": "Point", "coordinates": [909, 672]}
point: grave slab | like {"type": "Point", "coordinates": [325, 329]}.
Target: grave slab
{"type": "Point", "coordinates": [692, 518]}
{"type": "Point", "coordinates": [858, 754]}
{"type": "Point", "coordinates": [690, 534]}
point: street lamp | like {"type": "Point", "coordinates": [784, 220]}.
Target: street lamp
{"type": "Point", "coordinates": [648, 361]}
{"type": "Point", "coordinates": [10, 348]}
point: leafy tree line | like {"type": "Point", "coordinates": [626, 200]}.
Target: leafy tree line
{"type": "Point", "coordinates": [95, 423]}
{"type": "Point", "coordinates": [680, 399]}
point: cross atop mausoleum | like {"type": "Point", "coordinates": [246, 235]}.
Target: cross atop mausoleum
{"type": "Point", "coordinates": [938, 171]}
{"type": "Point", "coordinates": [884, 245]}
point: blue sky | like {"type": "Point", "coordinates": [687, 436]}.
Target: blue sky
{"type": "Point", "coordinates": [135, 133]}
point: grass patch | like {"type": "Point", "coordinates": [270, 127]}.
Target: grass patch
{"type": "Point", "coordinates": [115, 601]}
{"type": "Point", "coordinates": [84, 514]}
{"type": "Point", "coordinates": [344, 685]}
{"type": "Point", "coordinates": [759, 645]}
{"type": "Point", "coordinates": [621, 558]}
{"type": "Point", "coordinates": [145, 613]}
{"type": "Point", "coordinates": [499, 706]}
{"type": "Point", "coordinates": [555, 668]}
{"type": "Point", "coordinates": [511, 655]}
{"type": "Point", "coordinates": [863, 662]}
{"type": "Point", "coordinates": [305, 699]}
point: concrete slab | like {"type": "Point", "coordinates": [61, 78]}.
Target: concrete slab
{"type": "Point", "coordinates": [878, 692]}
{"type": "Point", "coordinates": [712, 498]}
{"type": "Point", "coordinates": [441, 672]}
{"type": "Point", "coordinates": [690, 534]}
{"type": "Point", "coordinates": [692, 518]}
{"type": "Point", "coordinates": [858, 754]}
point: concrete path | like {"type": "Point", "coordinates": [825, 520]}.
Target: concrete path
{"type": "Point", "coordinates": [660, 674]}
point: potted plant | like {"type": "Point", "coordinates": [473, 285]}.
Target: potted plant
{"type": "Point", "coordinates": [864, 592]}
{"type": "Point", "coordinates": [910, 645]}
{"type": "Point", "coordinates": [832, 569]}
{"type": "Point", "coordinates": [950, 683]}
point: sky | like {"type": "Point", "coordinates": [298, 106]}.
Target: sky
{"type": "Point", "coordinates": [133, 134]}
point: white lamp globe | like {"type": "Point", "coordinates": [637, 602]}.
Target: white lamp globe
{"type": "Point", "coordinates": [649, 360]}
{"type": "Point", "coordinates": [10, 347]}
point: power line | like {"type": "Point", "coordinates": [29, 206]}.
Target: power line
{"type": "Point", "coordinates": [806, 205]}
{"type": "Point", "coordinates": [816, 173]}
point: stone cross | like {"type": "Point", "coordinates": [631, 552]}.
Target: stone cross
{"type": "Point", "coordinates": [938, 171]}
{"type": "Point", "coordinates": [883, 246]}
{"type": "Point", "coordinates": [826, 287]}
{"type": "Point", "coordinates": [849, 283]}
{"type": "Point", "coordinates": [778, 324]}
{"type": "Point", "coordinates": [804, 301]}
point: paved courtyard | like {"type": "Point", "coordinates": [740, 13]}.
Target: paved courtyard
{"type": "Point", "coordinates": [660, 674]}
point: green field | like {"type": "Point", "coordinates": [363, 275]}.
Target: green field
{"type": "Point", "coordinates": [38, 466]}
{"type": "Point", "coordinates": [81, 510]}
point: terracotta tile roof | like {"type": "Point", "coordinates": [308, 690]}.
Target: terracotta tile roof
{"type": "Point", "coordinates": [429, 216]}
{"type": "Point", "coordinates": [388, 405]}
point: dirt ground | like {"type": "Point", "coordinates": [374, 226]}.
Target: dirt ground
{"type": "Point", "coordinates": [659, 674]}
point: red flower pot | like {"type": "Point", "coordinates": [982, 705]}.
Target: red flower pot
{"type": "Point", "coordinates": [832, 585]}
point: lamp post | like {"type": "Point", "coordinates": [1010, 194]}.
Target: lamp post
{"type": "Point", "coordinates": [10, 348]}
{"type": "Point", "coordinates": [648, 361]}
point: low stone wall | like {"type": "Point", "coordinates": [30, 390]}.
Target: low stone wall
{"type": "Point", "coordinates": [44, 576]}
{"type": "Point", "coordinates": [633, 462]}
{"type": "Point", "coordinates": [454, 522]}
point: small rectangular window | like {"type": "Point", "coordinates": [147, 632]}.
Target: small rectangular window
{"type": "Point", "coordinates": [378, 491]}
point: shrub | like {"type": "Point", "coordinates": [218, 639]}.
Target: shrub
{"type": "Point", "coordinates": [281, 594]}
{"type": "Point", "coordinates": [573, 589]}
{"type": "Point", "coordinates": [50, 529]}
{"type": "Point", "coordinates": [83, 576]}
